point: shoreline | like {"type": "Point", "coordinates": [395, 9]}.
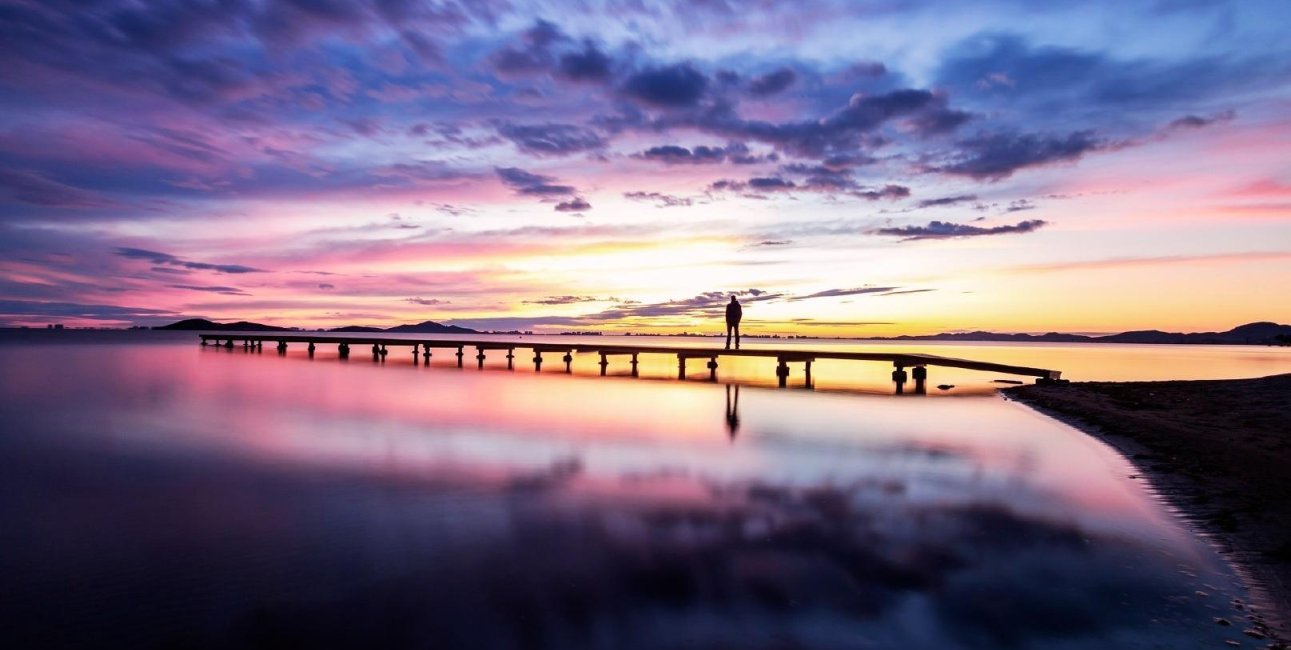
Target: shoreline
{"type": "Point", "coordinates": [1214, 450]}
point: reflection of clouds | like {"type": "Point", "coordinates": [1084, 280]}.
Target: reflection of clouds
{"type": "Point", "coordinates": [809, 567]}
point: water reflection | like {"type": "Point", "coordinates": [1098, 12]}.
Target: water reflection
{"type": "Point", "coordinates": [732, 411]}
{"type": "Point", "coordinates": [166, 495]}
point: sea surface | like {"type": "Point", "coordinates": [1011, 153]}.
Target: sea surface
{"type": "Point", "coordinates": [155, 493]}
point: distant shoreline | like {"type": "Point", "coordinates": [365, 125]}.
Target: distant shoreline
{"type": "Point", "coordinates": [1218, 450]}
{"type": "Point", "coordinates": [1257, 334]}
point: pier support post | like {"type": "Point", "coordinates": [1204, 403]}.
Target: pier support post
{"type": "Point", "coordinates": [920, 375]}
{"type": "Point", "coordinates": [712, 368]}
{"type": "Point", "coordinates": [511, 355]}
{"type": "Point", "coordinates": [681, 367]}
{"type": "Point", "coordinates": [460, 354]}
{"type": "Point", "coordinates": [414, 353]}
{"type": "Point", "coordinates": [343, 350]}
{"type": "Point", "coordinates": [376, 350]}
{"type": "Point", "coordinates": [605, 363]}
{"type": "Point", "coordinates": [537, 361]}
{"type": "Point", "coordinates": [899, 378]}
{"type": "Point", "coordinates": [634, 364]}
{"type": "Point", "coordinates": [203, 342]}
{"type": "Point", "coordinates": [569, 362]}
{"type": "Point", "coordinates": [479, 357]}
{"type": "Point", "coordinates": [806, 373]}
{"type": "Point", "coordinates": [259, 345]}
{"type": "Point", "coordinates": [311, 348]}
{"type": "Point", "coordinates": [228, 345]}
{"type": "Point", "coordinates": [425, 353]}
{"type": "Point", "coordinates": [782, 372]}
{"type": "Point", "coordinates": [282, 347]}
{"type": "Point", "coordinates": [384, 351]}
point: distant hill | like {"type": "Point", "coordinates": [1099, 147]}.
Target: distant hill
{"type": "Point", "coordinates": [196, 324]}
{"type": "Point", "coordinates": [1263, 333]}
{"type": "Point", "coordinates": [431, 327]}
{"type": "Point", "coordinates": [356, 328]}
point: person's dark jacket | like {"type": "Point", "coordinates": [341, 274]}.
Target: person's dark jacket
{"type": "Point", "coordinates": [734, 313]}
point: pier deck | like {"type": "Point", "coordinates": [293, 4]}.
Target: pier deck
{"type": "Point", "coordinates": [918, 363]}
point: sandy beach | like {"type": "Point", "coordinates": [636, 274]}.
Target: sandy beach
{"type": "Point", "coordinates": [1217, 450]}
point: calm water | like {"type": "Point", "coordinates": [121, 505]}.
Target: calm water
{"type": "Point", "coordinates": [154, 493]}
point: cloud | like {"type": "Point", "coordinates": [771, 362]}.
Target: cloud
{"type": "Point", "coordinates": [1197, 122]}
{"type": "Point", "coordinates": [226, 291]}
{"type": "Point", "coordinates": [531, 184]}
{"type": "Point", "coordinates": [674, 86]}
{"type": "Point", "coordinates": [855, 291]}
{"type": "Point", "coordinates": [772, 82]}
{"type": "Point", "coordinates": [660, 199]}
{"type": "Point", "coordinates": [674, 155]}
{"type": "Point", "coordinates": [947, 230]}
{"type": "Point", "coordinates": [564, 300]}
{"type": "Point", "coordinates": [590, 65]}
{"type": "Point", "coordinates": [576, 204]}
{"type": "Point", "coordinates": [326, 286]}
{"type": "Point", "coordinates": [998, 155]}
{"type": "Point", "coordinates": [36, 189]}
{"type": "Point", "coordinates": [427, 302]}
{"type": "Point", "coordinates": [946, 200]}
{"type": "Point", "coordinates": [53, 310]}
{"type": "Point", "coordinates": [888, 192]}
{"type": "Point", "coordinates": [165, 258]}
{"type": "Point", "coordinates": [551, 140]}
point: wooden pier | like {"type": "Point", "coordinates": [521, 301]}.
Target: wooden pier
{"type": "Point", "coordinates": [379, 346]}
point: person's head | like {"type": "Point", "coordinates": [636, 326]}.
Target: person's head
{"type": "Point", "coordinates": [732, 297]}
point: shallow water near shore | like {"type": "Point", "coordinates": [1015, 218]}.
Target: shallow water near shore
{"type": "Point", "coordinates": [158, 493]}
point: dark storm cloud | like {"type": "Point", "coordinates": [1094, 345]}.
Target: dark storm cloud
{"type": "Point", "coordinates": [674, 86]}
{"type": "Point", "coordinates": [157, 258]}
{"type": "Point", "coordinates": [772, 82]}
{"type": "Point", "coordinates": [947, 230]}
{"type": "Point", "coordinates": [551, 140]}
{"type": "Point", "coordinates": [531, 184]}
{"type": "Point", "coordinates": [996, 156]}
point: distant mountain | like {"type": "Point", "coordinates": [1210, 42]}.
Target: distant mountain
{"type": "Point", "coordinates": [196, 324]}
{"type": "Point", "coordinates": [356, 328]}
{"type": "Point", "coordinates": [1263, 333]}
{"type": "Point", "coordinates": [431, 327]}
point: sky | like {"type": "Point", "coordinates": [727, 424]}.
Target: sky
{"type": "Point", "coordinates": [846, 168]}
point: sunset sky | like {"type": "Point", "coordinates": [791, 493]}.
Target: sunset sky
{"type": "Point", "coordinates": [848, 168]}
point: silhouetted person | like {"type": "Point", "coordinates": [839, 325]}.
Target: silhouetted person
{"type": "Point", "coordinates": [733, 315]}
{"type": "Point", "coordinates": [732, 411]}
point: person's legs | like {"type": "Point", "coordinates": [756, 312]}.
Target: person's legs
{"type": "Point", "coordinates": [737, 336]}
{"type": "Point", "coordinates": [728, 336]}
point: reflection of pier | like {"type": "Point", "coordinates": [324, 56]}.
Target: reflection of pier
{"type": "Point", "coordinates": [918, 363]}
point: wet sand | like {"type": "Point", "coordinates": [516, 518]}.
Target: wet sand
{"type": "Point", "coordinates": [1220, 451]}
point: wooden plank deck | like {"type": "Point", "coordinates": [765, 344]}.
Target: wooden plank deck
{"type": "Point", "coordinates": [783, 356]}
